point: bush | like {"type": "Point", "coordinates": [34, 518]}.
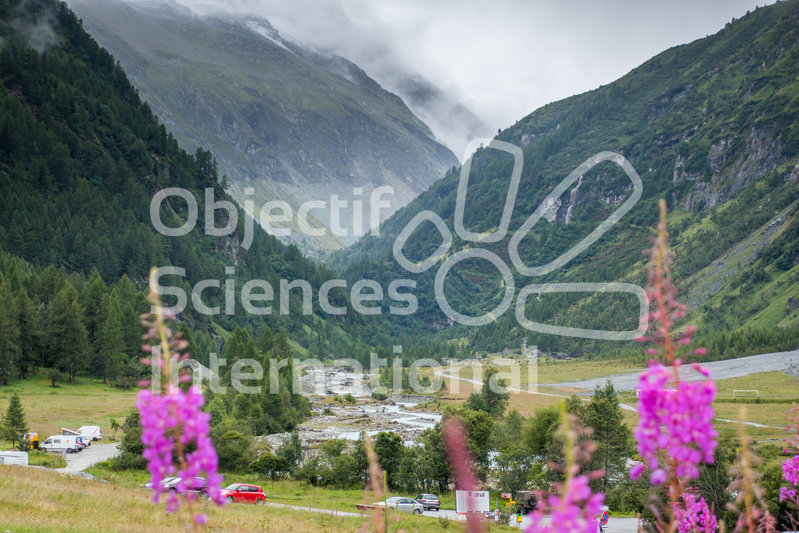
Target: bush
{"type": "Point", "coordinates": [127, 461]}
{"type": "Point", "coordinates": [234, 450]}
{"type": "Point", "coordinates": [55, 376]}
{"type": "Point", "coordinates": [270, 465]}
{"type": "Point", "coordinates": [125, 383]}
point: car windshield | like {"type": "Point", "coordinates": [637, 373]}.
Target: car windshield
{"type": "Point", "coordinates": [234, 486]}
{"type": "Point", "coordinates": [168, 480]}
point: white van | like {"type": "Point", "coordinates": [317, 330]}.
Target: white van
{"type": "Point", "coordinates": [14, 458]}
{"type": "Point", "coordinates": [90, 433]}
{"type": "Point", "coordinates": [60, 443]}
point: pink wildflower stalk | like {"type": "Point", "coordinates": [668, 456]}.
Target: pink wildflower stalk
{"type": "Point", "coordinates": [175, 431]}
{"type": "Point", "coordinates": [790, 467]}
{"type": "Point", "coordinates": [694, 516]}
{"type": "Point", "coordinates": [463, 465]}
{"type": "Point", "coordinates": [675, 431]}
{"type": "Point", "coordinates": [574, 508]}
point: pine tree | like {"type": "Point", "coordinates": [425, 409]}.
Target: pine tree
{"type": "Point", "coordinates": [30, 336]}
{"type": "Point", "coordinates": [109, 345]}
{"type": "Point", "coordinates": [612, 436]}
{"type": "Point", "coordinates": [9, 336]}
{"type": "Point", "coordinates": [13, 424]}
{"type": "Point", "coordinates": [267, 341]}
{"type": "Point", "coordinates": [70, 342]}
{"type": "Point", "coordinates": [95, 306]}
{"type": "Point", "coordinates": [125, 293]}
{"type": "Point", "coordinates": [281, 348]}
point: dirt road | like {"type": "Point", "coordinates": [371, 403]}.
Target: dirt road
{"type": "Point", "coordinates": [731, 368]}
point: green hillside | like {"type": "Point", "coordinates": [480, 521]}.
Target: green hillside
{"type": "Point", "coordinates": [80, 159]}
{"type": "Point", "coordinates": [294, 123]}
{"type": "Point", "coordinates": [710, 126]}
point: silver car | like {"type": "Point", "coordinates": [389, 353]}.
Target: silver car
{"type": "Point", "coordinates": [402, 504]}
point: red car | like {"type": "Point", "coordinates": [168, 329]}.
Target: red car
{"type": "Point", "coordinates": [239, 492]}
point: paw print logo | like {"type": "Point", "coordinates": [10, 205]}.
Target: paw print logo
{"type": "Point", "coordinates": [513, 250]}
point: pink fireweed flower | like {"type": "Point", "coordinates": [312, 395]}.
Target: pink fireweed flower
{"type": "Point", "coordinates": [675, 419]}
{"type": "Point", "coordinates": [790, 473]}
{"type": "Point", "coordinates": [175, 430]}
{"type": "Point", "coordinates": [790, 470]}
{"type": "Point", "coordinates": [694, 516]}
{"type": "Point", "coordinates": [790, 467]}
{"type": "Point", "coordinates": [675, 430]}
{"type": "Point", "coordinates": [177, 413]}
{"type": "Point", "coordinates": [573, 508]}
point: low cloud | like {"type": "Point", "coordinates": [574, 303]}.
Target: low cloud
{"type": "Point", "coordinates": [501, 60]}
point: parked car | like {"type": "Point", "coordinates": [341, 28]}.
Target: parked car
{"type": "Point", "coordinates": [197, 485]}
{"type": "Point", "coordinates": [242, 493]}
{"type": "Point", "coordinates": [402, 504]}
{"type": "Point", "coordinates": [429, 501]}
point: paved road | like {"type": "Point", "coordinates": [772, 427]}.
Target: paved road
{"type": "Point", "coordinates": [731, 368]}
{"type": "Point", "coordinates": [452, 515]}
{"type": "Point", "coordinates": [96, 453]}
{"type": "Point", "coordinates": [616, 525]}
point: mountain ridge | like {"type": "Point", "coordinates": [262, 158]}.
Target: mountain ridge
{"type": "Point", "coordinates": [707, 125]}
{"type": "Point", "coordinates": [293, 124]}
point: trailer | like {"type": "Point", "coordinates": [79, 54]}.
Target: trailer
{"type": "Point", "coordinates": [14, 458]}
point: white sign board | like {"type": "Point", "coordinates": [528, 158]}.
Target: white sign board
{"type": "Point", "coordinates": [472, 501]}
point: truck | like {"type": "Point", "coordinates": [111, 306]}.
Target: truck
{"type": "Point", "coordinates": [526, 501]}
{"type": "Point", "coordinates": [90, 433]}
{"type": "Point", "coordinates": [32, 440]}
{"type": "Point", "coordinates": [61, 443]}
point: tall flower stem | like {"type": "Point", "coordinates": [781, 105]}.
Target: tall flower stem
{"type": "Point", "coordinates": [172, 420]}
{"type": "Point", "coordinates": [675, 431]}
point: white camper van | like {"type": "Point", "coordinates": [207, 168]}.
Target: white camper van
{"type": "Point", "coordinates": [90, 433]}
{"type": "Point", "coordinates": [14, 458]}
{"type": "Point", "coordinates": [60, 443]}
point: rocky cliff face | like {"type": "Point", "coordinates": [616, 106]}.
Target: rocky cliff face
{"type": "Point", "coordinates": [290, 123]}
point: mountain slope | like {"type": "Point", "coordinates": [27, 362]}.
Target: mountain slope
{"type": "Point", "coordinates": [295, 124]}
{"type": "Point", "coordinates": [81, 158]}
{"type": "Point", "coordinates": [711, 126]}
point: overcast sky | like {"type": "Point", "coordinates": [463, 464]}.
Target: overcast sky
{"type": "Point", "coordinates": [503, 58]}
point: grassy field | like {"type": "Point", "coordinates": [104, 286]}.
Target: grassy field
{"type": "Point", "coordinates": [85, 402]}
{"type": "Point", "coordinates": [776, 389]}
{"type": "Point", "coordinates": [75, 504]}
